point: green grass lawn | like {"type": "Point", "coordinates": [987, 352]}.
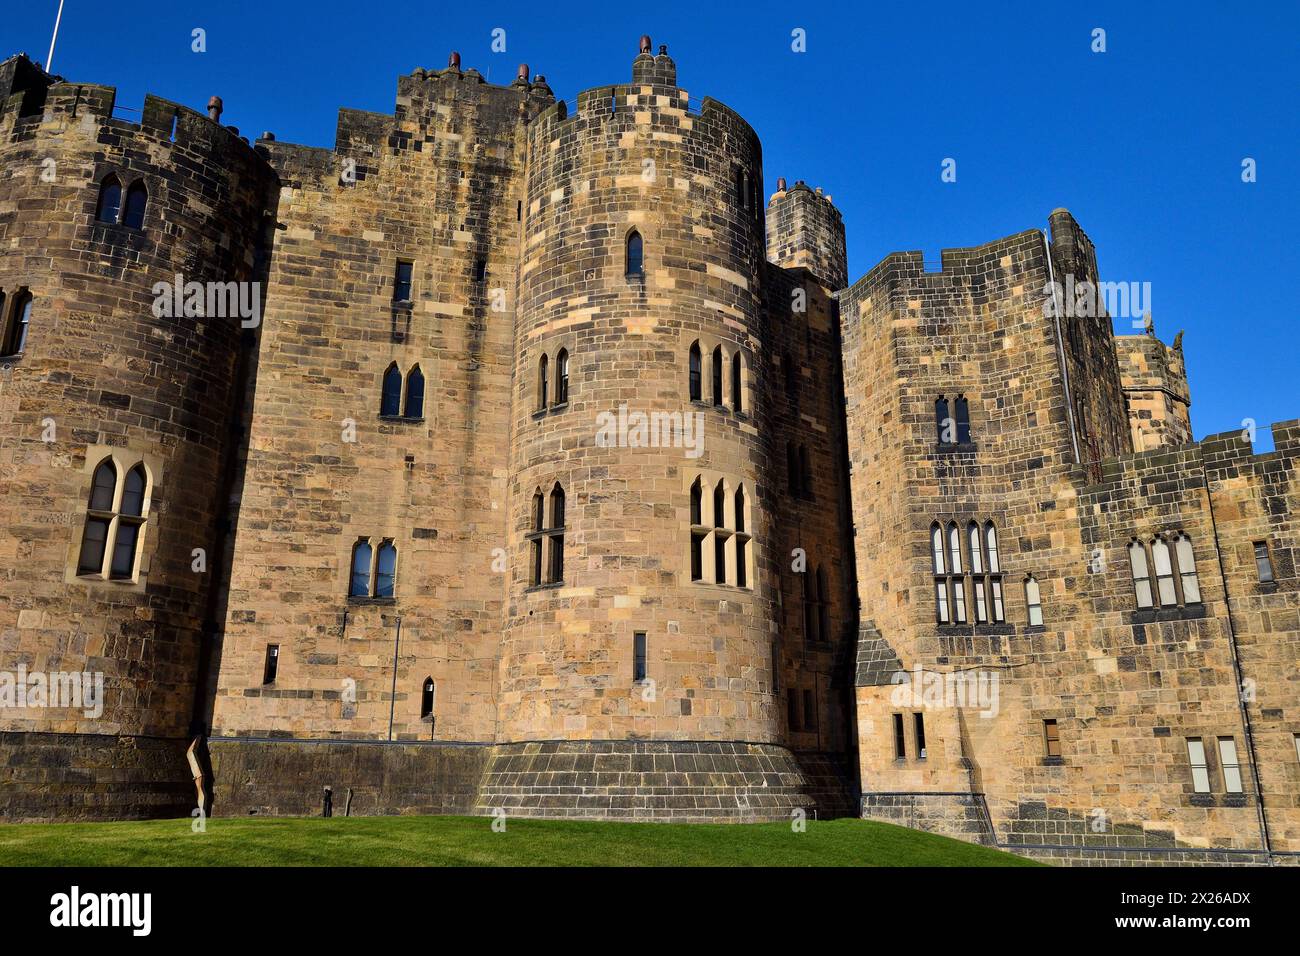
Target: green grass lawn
{"type": "Point", "coordinates": [470, 841]}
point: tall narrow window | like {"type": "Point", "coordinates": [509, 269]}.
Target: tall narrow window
{"type": "Point", "coordinates": [900, 738]}
{"type": "Point", "coordinates": [1033, 601]}
{"type": "Point", "coordinates": [995, 577]}
{"type": "Point", "coordinates": [979, 590]}
{"type": "Point", "coordinates": [129, 522]}
{"type": "Point", "coordinates": [1137, 559]}
{"type": "Point", "coordinates": [1187, 569]}
{"type": "Point", "coordinates": [958, 579]}
{"type": "Point", "coordinates": [962, 408]}
{"type": "Point", "coordinates": [480, 270]}
{"type": "Point", "coordinates": [696, 374]}
{"type": "Point", "coordinates": [386, 570]}
{"type": "Point", "coordinates": [940, 579]}
{"type": "Point", "coordinates": [741, 539]}
{"type": "Point", "coordinates": [15, 334]}
{"type": "Point", "coordinates": [1164, 572]}
{"type": "Point", "coordinates": [1200, 771]}
{"type": "Point", "coordinates": [536, 539]}
{"type": "Point", "coordinates": [99, 518]}
{"type": "Point", "coordinates": [1051, 738]}
{"type": "Point", "coordinates": [717, 376]}
{"type": "Point", "coordinates": [426, 698]}
{"type": "Point", "coordinates": [1263, 562]}
{"type": "Point", "coordinates": [792, 709]}
{"type": "Point", "coordinates": [1229, 766]}
{"type": "Point", "coordinates": [137, 197]}
{"type": "Point", "coordinates": [414, 394]}
{"type": "Point", "coordinates": [271, 666]}
{"type": "Point", "coordinates": [809, 710]}
{"type": "Point", "coordinates": [639, 668]}
{"type": "Point", "coordinates": [361, 560]}
{"type": "Point", "coordinates": [805, 472]}
{"type": "Point", "coordinates": [402, 282]}
{"type": "Point", "coordinates": [555, 565]}
{"type": "Point", "coordinates": [943, 423]}
{"type": "Point", "coordinates": [110, 200]}
{"type": "Point", "coordinates": [562, 377]}
{"type": "Point", "coordinates": [823, 606]}
{"type": "Point", "coordinates": [635, 256]}
{"type": "Point", "coordinates": [737, 382]}
{"type": "Point", "coordinates": [390, 402]}
{"type": "Point", "coordinates": [991, 538]}
{"type": "Point", "coordinates": [697, 503]}
{"type": "Point", "coordinates": [543, 383]}
{"type": "Point", "coordinates": [719, 505]}
{"type": "Point", "coordinates": [918, 724]}
{"type": "Point", "coordinates": [810, 619]}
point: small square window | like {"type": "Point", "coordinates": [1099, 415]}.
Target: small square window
{"type": "Point", "coordinates": [1051, 738]}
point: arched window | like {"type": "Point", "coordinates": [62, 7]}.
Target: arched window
{"type": "Point", "coordinates": [1033, 601]}
{"type": "Point", "coordinates": [390, 402]}
{"type": "Point", "coordinates": [414, 393]}
{"type": "Point", "coordinates": [136, 199]}
{"type": "Point", "coordinates": [995, 577]}
{"type": "Point", "coordinates": [426, 698]}
{"type": "Point", "coordinates": [1160, 557]}
{"type": "Point", "coordinates": [974, 541]}
{"type": "Point", "coordinates": [940, 577]}
{"type": "Point", "coordinates": [737, 382]}
{"type": "Point", "coordinates": [717, 376]}
{"type": "Point", "coordinates": [536, 539]}
{"type": "Point", "coordinates": [360, 582]}
{"type": "Point", "coordinates": [698, 534]}
{"type": "Point", "coordinates": [957, 580]}
{"type": "Point", "coordinates": [15, 334]}
{"type": "Point", "coordinates": [719, 505]}
{"type": "Point", "coordinates": [742, 539]}
{"type": "Point", "coordinates": [99, 518]}
{"type": "Point", "coordinates": [562, 377]}
{"type": "Point", "coordinates": [1137, 559]}
{"type": "Point", "coordinates": [963, 420]}
{"type": "Point", "coordinates": [635, 257]}
{"type": "Point", "coordinates": [542, 383]}
{"type": "Point", "coordinates": [129, 524]}
{"type": "Point", "coordinates": [696, 374]}
{"type": "Point", "coordinates": [110, 200]}
{"type": "Point", "coordinates": [943, 424]}
{"type": "Point", "coordinates": [555, 535]}
{"type": "Point", "coordinates": [114, 522]}
{"type": "Point", "coordinates": [991, 538]}
{"type": "Point", "coordinates": [1187, 569]}
{"type": "Point", "coordinates": [386, 569]}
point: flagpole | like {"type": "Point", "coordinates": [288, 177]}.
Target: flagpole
{"type": "Point", "coordinates": [49, 60]}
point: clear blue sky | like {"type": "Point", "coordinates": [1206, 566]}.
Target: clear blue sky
{"type": "Point", "coordinates": [1143, 143]}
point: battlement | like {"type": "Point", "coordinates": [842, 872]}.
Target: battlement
{"type": "Point", "coordinates": [1233, 451]}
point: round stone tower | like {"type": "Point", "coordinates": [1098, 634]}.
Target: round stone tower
{"type": "Point", "coordinates": [636, 660]}
{"type": "Point", "coordinates": [116, 419]}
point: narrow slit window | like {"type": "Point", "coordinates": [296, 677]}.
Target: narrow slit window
{"type": "Point", "coordinates": [695, 375]}
{"type": "Point", "coordinates": [737, 382]}
{"type": "Point", "coordinates": [426, 698]}
{"type": "Point", "coordinates": [918, 723]}
{"type": "Point", "coordinates": [271, 666]}
{"type": "Point", "coordinates": [717, 376]}
{"type": "Point", "coordinates": [635, 255]}
{"type": "Point", "coordinates": [639, 667]}
{"type": "Point", "coordinates": [562, 377]}
{"type": "Point", "coordinates": [15, 336]}
{"type": "Point", "coordinates": [402, 281]}
{"type": "Point", "coordinates": [900, 738]}
{"type": "Point", "coordinates": [1263, 562]}
{"type": "Point", "coordinates": [543, 366]}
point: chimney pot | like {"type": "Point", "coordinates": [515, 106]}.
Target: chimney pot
{"type": "Point", "coordinates": [453, 61]}
{"type": "Point", "coordinates": [214, 108]}
{"type": "Point", "coordinates": [523, 72]}
{"type": "Point", "coordinates": [780, 184]}
{"type": "Point", "coordinates": [645, 43]}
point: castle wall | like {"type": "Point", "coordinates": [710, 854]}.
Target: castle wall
{"type": "Point", "coordinates": [439, 185]}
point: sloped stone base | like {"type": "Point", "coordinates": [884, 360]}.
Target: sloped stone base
{"type": "Point", "coordinates": [682, 781]}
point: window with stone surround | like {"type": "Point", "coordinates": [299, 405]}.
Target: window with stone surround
{"type": "Point", "coordinates": [402, 281]}
{"type": "Point", "coordinates": [562, 377]}
{"type": "Point", "coordinates": [640, 665]}
{"type": "Point", "coordinates": [1200, 770]}
{"type": "Point", "coordinates": [1263, 562]}
{"type": "Point", "coordinates": [900, 738]}
{"type": "Point", "coordinates": [109, 205]}
{"type": "Point", "coordinates": [1051, 739]}
{"type": "Point", "coordinates": [717, 377]}
{"type": "Point", "coordinates": [1033, 601]}
{"type": "Point", "coordinates": [137, 197]}
{"type": "Point", "coordinates": [543, 383]}
{"type": "Point", "coordinates": [1174, 563]}
{"type": "Point", "coordinates": [918, 724]}
{"type": "Point", "coordinates": [737, 382]}
{"type": "Point", "coordinates": [427, 693]}
{"type": "Point", "coordinates": [1228, 765]}
{"type": "Point", "coordinates": [695, 375]}
{"type": "Point", "coordinates": [414, 407]}
{"type": "Point", "coordinates": [271, 666]}
{"type": "Point", "coordinates": [635, 258]}
{"type": "Point", "coordinates": [373, 571]}
{"type": "Point", "coordinates": [723, 533]}
{"type": "Point", "coordinates": [116, 514]}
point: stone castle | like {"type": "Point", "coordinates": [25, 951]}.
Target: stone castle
{"type": "Point", "coordinates": [516, 455]}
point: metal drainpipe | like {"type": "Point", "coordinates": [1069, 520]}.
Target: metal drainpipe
{"type": "Point", "coordinates": [1060, 349]}
{"type": "Point", "coordinates": [392, 703]}
{"type": "Point", "coordinates": [1236, 667]}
